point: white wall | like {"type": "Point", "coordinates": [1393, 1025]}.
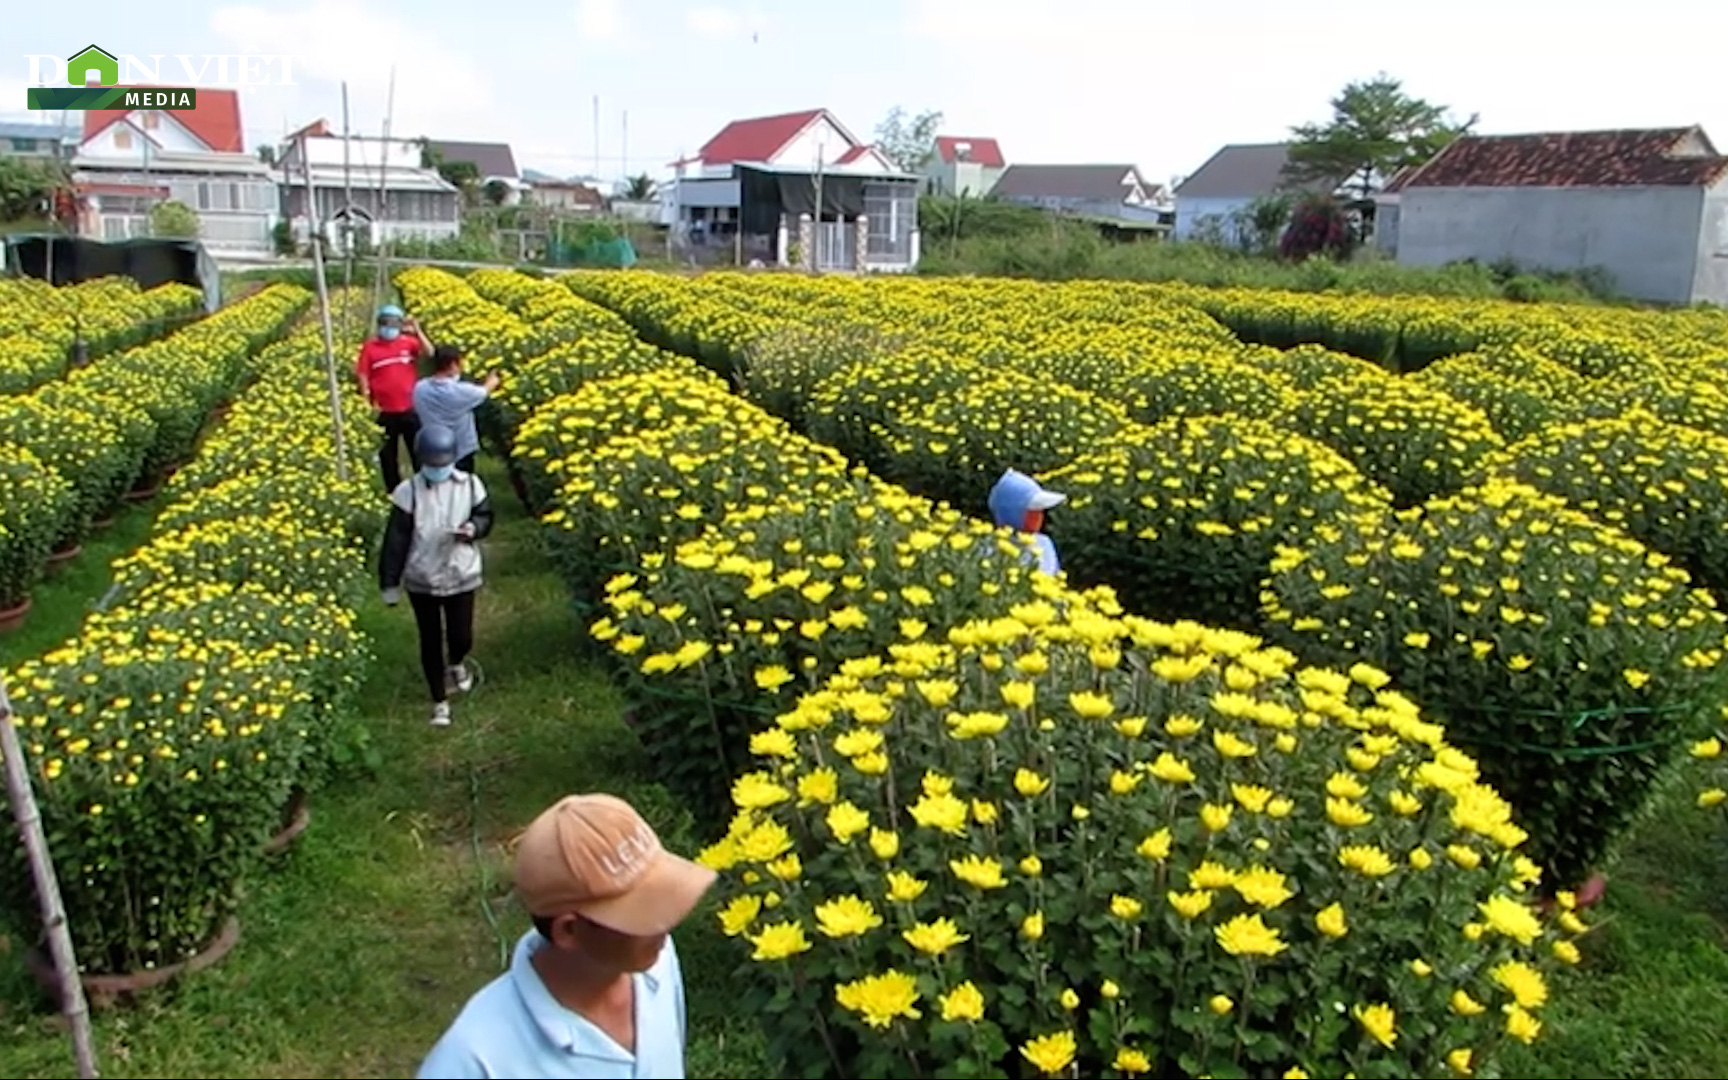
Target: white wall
{"type": "Point", "coordinates": [1646, 237]}
{"type": "Point", "coordinates": [1192, 214]}
{"type": "Point", "coordinates": [170, 135]}
{"type": "Point", "coordinates": [1711, 281]}
{"type": "Point", "coordinates": [801, 151]}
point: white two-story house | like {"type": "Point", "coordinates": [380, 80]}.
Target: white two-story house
{"type": "Point", "coordinates": [130, 159]}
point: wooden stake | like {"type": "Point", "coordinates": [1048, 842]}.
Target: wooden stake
{"type": "Point", "coordinates": [313, 224]}
{"type": "Point", "coordinates": [23, 800]}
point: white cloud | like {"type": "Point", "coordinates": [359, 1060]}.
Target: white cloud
{"type": "Point", "coordinates": [724, 23]}
{"type": "Point", "coordinates": [438, 90]}
{"type": "Point", "coordinates": [600, 21]}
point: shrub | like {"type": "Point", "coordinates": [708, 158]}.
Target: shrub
{"type": "Point", "coordinates": [855, 410]}
{"type": "Point", "coordinates": [1664, 484]}
{"type": "Point", "coordinates": [778, 595]}
{"type": "Point", "coordinates": [1161, 387]}
{"type": "Point", "coordinates": [955, 448]}
{"type": "Point", "coordinates": [1416, 442]}
{"type": "Point", "coordinates": [1067, 843]}
{"type": "Point", "coordinates": [1307, 366]}
{"type": "Point", "coordinates": [75, 445]}
{"type": "Point", "coordinates": [1184, 517]}
{"type": "Point", "coordinates": [1572, 660]}
{"type": "Point", "coordinates": [1519, 394]}
{"type": "Point", "coordinates": [34, 501]}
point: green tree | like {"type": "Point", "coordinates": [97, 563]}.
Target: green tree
{"type": "Point", "coordinates": [173, 219]}
{"type": "Point", "coordinates": [496, 192]}
{"type": "Point", "coordinates": [1375, 130]}
{"type": "Point", "coordinates": [908, 141]}
{"type": "Point", "coordinates": [26, 188]}
{"type": "Point", "coordinates": [639, 189]}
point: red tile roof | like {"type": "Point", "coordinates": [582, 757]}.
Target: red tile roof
{"type": "Point", "coordinates": [1399, 179]}
{"type": "Point", "coordinates": [216, 120]}
{"type": "Point", "coordinates": [852, 154]}
{"type": "Point", "coordinates": [983, 152]}
{"type": "Point", "coordinates": [755, 140]}
{"type": "Point", "coordinates": [1663, 157]}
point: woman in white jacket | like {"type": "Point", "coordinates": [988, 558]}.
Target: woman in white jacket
{"type": "Point", "coordinates": [430, 550]}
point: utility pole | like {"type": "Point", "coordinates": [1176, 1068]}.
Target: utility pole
{"type": "Point", "coordinates": [382, 276]}
{"type": "Point", "coordinates": [624, 146]}
{"type": "Point", "coordinates": [347, 213]}
{"type": "Point", "coordinates": [596, 137]}
{"type": "Point", "coordinates": [312, 230]}
{"type": "Point", "coordinates": [816, 231]}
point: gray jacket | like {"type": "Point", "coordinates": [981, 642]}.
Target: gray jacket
{"type": "Point", "coordinates": [422, 551]}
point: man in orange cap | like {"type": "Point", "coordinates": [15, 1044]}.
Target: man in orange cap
{"type": "Point", "coordinates": [594, 990]}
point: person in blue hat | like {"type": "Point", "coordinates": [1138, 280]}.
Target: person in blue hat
{"type": "Point", "coordinates": [387, 367]}
{"type": "Point", "coordinates": [1019, 502]}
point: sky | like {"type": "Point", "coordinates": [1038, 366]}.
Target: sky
{"type": "Point", "coordinates": [1118, 81]}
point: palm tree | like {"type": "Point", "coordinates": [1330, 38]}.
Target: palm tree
{"type": "Point", "coordinates": [640, 189]}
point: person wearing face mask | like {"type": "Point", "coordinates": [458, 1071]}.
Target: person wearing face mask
{"type": "Point", "coordinates": [1019, 502]}
{"type": "Point", "coordinates": [443, 398]}
{"type": "Point", "coordinates": [430, 551]}
{"type": "Point", "coordinates": [387, 367]}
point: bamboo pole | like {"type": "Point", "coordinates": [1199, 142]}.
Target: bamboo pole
{"type": "Point", "coordinates": [313, 229]}
{"type": "Point", "coordinates": [347, 214]}
{"type": "Point", "coordinates": [381, 276]}
{"type": "Point", "coordinates": [23, 799]}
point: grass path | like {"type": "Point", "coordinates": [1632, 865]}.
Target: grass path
{"type": "Point", "coordinates": [363, 943]}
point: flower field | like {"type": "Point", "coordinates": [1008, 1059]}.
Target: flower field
{"type": "Point", "coordinates": [1440, 662]}
{"type": "Point", "coordinates": [1383, 622]}
{"type": "Point", "coordinates": [167, 737]}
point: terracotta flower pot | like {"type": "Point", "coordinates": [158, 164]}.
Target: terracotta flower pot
{"type": "Point", "coordinates": [296, 816]}
{"type": "Point", "coordinates": [13, 617]}
{"type": "Point", "coordinates": [104, 990]}
{"type": "Point", "coordinates": [57, 560]}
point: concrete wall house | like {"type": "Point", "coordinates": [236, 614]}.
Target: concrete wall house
{"type": "Point", "coordinates": [1650, 207]}
{"type": "Point", "coordinates": [966, 167]}
{"type": "Point", "coordinates": [1108, 194]}
{"type": "Point", "coordinates": [129, 160]}
{"type": "Point", "coordinates": [492, 161]}
{"type": "Point", "coordinates": [1212, 203]}
{"type": "Point", "coordinates": [364, 187]}
{"type": "Point", "coordinates": [46, 142]}
{"type": "Point", "coordinates": [795, 189]}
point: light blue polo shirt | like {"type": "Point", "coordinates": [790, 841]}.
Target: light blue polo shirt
{"type": "Point", "coordinates": [514, 1028]}
{"type": "Point", "coordinates": [451, 403]}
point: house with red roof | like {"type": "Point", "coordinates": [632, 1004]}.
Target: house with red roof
{"type": "Point", "coordinates": [794, 189]}
{"type": "Point", "coordinates": [1649, 207]}
{"type": "Point", "coordinates": [964, 167]}
{"type": "Point", "coordinates": [130, 159]}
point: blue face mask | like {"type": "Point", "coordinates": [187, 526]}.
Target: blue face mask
{"type": "Point", "coordinates": [389, 333]}
{"type": "Point", "coordinates": [437, 474]}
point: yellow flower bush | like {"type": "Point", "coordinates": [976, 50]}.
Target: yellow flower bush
{"type": "Point", "coordinates": [1184, 517]}
{"type": "Point", "coordinates": [34, 501]}
{"type": "Point", "coordinates": [41, 323]}
{"type": "Point", "coordinates": [1306, 366]}
{"type": "Point", "coordinates": [1066, 841]}
{"type": "Point", "coordinates": [857, 409]}
{"type": "Point", "coordinates": [1519, 391]}
{"type": "Point", "coordinates": [955, 448]}
{"type": "Point", "coordinates": [1575, 662]}
{"type": "Point", "coordinates": [1664, 484]}
{"type": "Point", "coordinates": [165, 739]}
{"type": "Point", "coordinates": [1414, 441]}
{"type": "Point", "coordinates": [774, 598]}
{"type": "Point", "coordinates": [75, 444]}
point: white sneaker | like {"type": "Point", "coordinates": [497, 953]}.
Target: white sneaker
{"type": "Point", "coordinates": [441, 714]}
{"type": "Point", "coordinates": [459, 679]}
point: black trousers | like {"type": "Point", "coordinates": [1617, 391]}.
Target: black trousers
{"type": "Point", "coordinates": [446, 634]}
{"type": "Point", "coordinates": [402, 426]}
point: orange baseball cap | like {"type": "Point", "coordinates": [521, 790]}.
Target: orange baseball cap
{"type": "Point", "coordinates": [594, 856]}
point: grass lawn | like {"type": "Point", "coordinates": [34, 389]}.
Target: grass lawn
{"type": "Point", "coordinates": [363, 943]}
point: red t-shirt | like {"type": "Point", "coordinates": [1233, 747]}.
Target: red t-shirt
{"type": "Point", "coordinates": [390, 368]}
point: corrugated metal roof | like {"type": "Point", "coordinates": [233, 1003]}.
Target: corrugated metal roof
{"type": "Point", "coordinates": [1657, 157]}
{"type": "Point", "coordinates": [1096, 182]}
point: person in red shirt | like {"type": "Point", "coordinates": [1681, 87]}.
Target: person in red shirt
{"type": "Point", "coordinates": [387, 367]}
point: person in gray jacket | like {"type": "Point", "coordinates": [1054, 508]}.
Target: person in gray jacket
{"type": "Point", "coordinates": [437, 516]}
